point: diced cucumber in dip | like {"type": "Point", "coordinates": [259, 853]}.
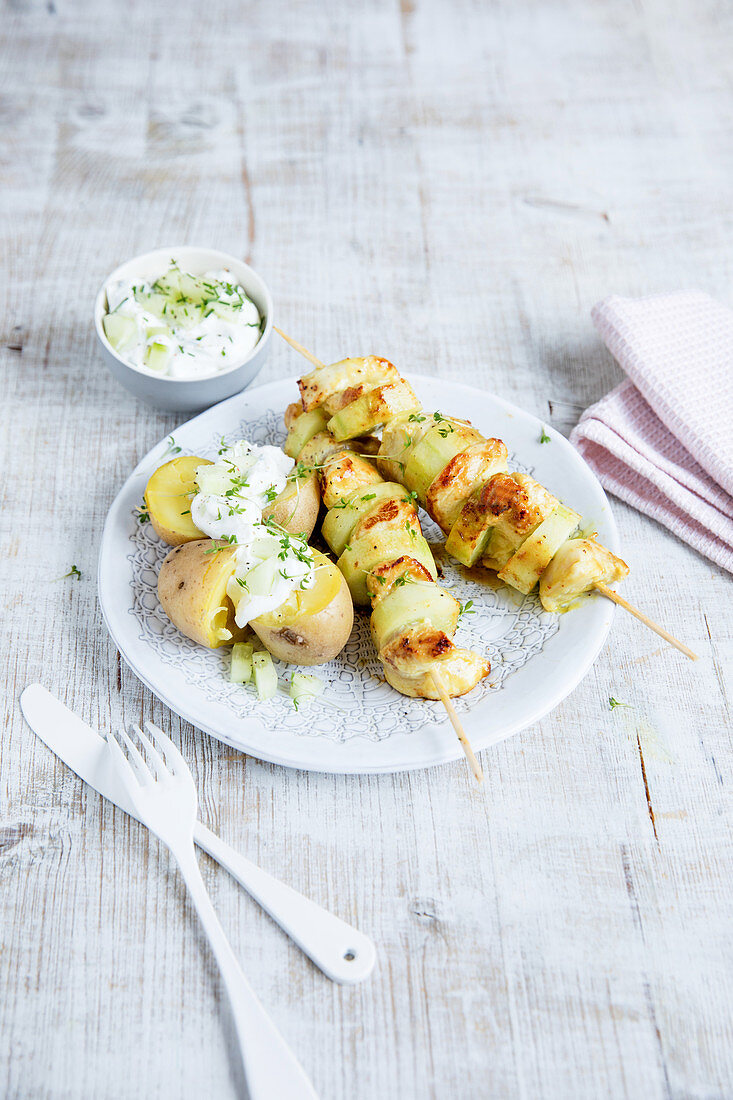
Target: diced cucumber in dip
{"type": "Point", "coordinates": [181, 325]}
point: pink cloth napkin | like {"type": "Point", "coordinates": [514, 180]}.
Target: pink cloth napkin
{"type": "Point", "coordinates": [663, 439]}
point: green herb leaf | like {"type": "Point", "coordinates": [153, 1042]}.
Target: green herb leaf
{"type": "Point", "coordinates": [615, 703]}
{"type": "Point", "coordinates": [544, 438]}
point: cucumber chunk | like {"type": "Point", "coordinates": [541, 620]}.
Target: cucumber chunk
{"type": "Point", "coordinates": [356, 562]}
{"type": "Point", "coordinates": [434, 451]}
{"type": "Point", "coordinates": [241, 668]}
{"type": "Point", "coordinates": [304, 689]}
{"type": "Point", "coordinates": [409, 603]}
{"type": "Point", "coordinates": [156, 330]}
{"type": "Point", "coordinates": [157, 357]}
{"type": "Point", "coordinates": [154, 303]}
{"type": "Point", "coordinates": [302, 430]}
{"type": "Point", "coordinates": [470, 534]}
{"type": "Point", "coordinates": [265, 675]}
{"type": "Point", "coordinates": [120, 331]}
{"type": "Point", "coordinates": [213, 480]}
{"type": "Point", "coordinates": [527, 565]}
{"type": "Point", "coordinates": [343, 517]}
{"type": "Point", "coordinates": [260, 581]}
{"type": "Point", "coordinates": [372, 409]}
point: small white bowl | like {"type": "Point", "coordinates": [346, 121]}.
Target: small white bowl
{"type": "Point", "coordinates": [184, 394]}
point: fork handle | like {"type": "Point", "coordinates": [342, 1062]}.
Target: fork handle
{"type": "Point", "coordinates": [343, 953]}
{"type": "Point", "coordinates": [270, 1067]}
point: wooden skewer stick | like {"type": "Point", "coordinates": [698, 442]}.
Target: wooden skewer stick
{"type": "Point", "coordinates": [299, 348]}
{"type": "Point", "coordinates": [456, 723]}
{"type": "Point", "coordinates": [437, 679]}
{"type": "Point", "coordinates": [614, 596]}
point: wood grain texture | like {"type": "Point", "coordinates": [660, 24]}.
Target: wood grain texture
{"type": "Point", "coordinates": [452, 184]}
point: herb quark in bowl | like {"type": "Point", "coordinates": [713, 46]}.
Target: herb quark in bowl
{"type": "Point", "coordinates": [183, 328]}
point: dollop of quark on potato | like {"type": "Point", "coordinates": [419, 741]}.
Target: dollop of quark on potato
{"type": "Point", "coordinates": [270, 562]}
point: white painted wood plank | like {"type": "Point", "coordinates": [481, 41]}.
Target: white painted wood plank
{"type": "Point", "coordinates": [452, 185]}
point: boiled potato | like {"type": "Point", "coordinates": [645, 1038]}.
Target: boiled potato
{"type": "Point", "coordinates": [168, 499]}
{"type": "Point", "coordinates": [192, 589]}
{"type": "Point", "coordinates": [296, 509]}
{"type": "Point", "coordinates": [313, 626]}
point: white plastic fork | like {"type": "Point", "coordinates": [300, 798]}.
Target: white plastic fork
{"type": "Point", "coordinates": [164, 797]}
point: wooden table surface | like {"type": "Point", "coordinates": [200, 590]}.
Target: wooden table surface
{"type": "Point", "coordinates": [452, 184]}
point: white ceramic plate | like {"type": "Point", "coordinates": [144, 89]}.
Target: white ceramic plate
{"type": "Point", "coordinates": [363, 725]}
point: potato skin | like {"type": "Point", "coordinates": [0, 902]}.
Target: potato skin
{"type": "Point", "coordinates": [310, 639]}
{"type": "Point", "coordinates": [192, 592]}
{"type": "Point", "coordinates": [296, 509]}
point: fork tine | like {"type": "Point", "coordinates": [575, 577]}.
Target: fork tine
{"type": "Point", "coordinates": [159, 763]}
{"type": "Point", "coordinates": [127, 773]}
{"type": "Point", "coordinates": [135, 758]}
{"type": "Point", "coordinates": [173, 756]}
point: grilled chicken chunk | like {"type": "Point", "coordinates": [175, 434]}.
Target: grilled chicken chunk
{"type": "Point", "coordinates": [322, 383]}
{"type": "Point", "coordinates": [575, 568]}
{"type": "Point", "coordinates": [457, 480]}
{"type": "Point", "coordinates": [384, 577]}
{"type": "Point", "coordinates": [410, 657]}
{"type": "Point", "coordinates": [521, 505]}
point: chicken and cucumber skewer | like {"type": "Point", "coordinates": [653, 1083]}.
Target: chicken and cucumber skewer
{"type": "Point", "coordinates": [505, 521]}
{"type": "Point", "coordinates": [373, 528]}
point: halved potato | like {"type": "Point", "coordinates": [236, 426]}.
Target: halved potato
{"type": "Point", "coordinates": [310, 627]}
{"type": "Point", "coordinates": [313, 626]}
{"type": "Point", "coordinates": [168, 499]}
{"type": "Point", "coordinates": [296, 508]}
{"type": "Point", "coordinates": [192, 589]}
{"type": "Point", "coordinates": [170, 489]}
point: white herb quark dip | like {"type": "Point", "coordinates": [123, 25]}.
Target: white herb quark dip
{"type": "Point", "coordinates": [270, 563]}
{"type": "Point", "coordinates": [181, 325]}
